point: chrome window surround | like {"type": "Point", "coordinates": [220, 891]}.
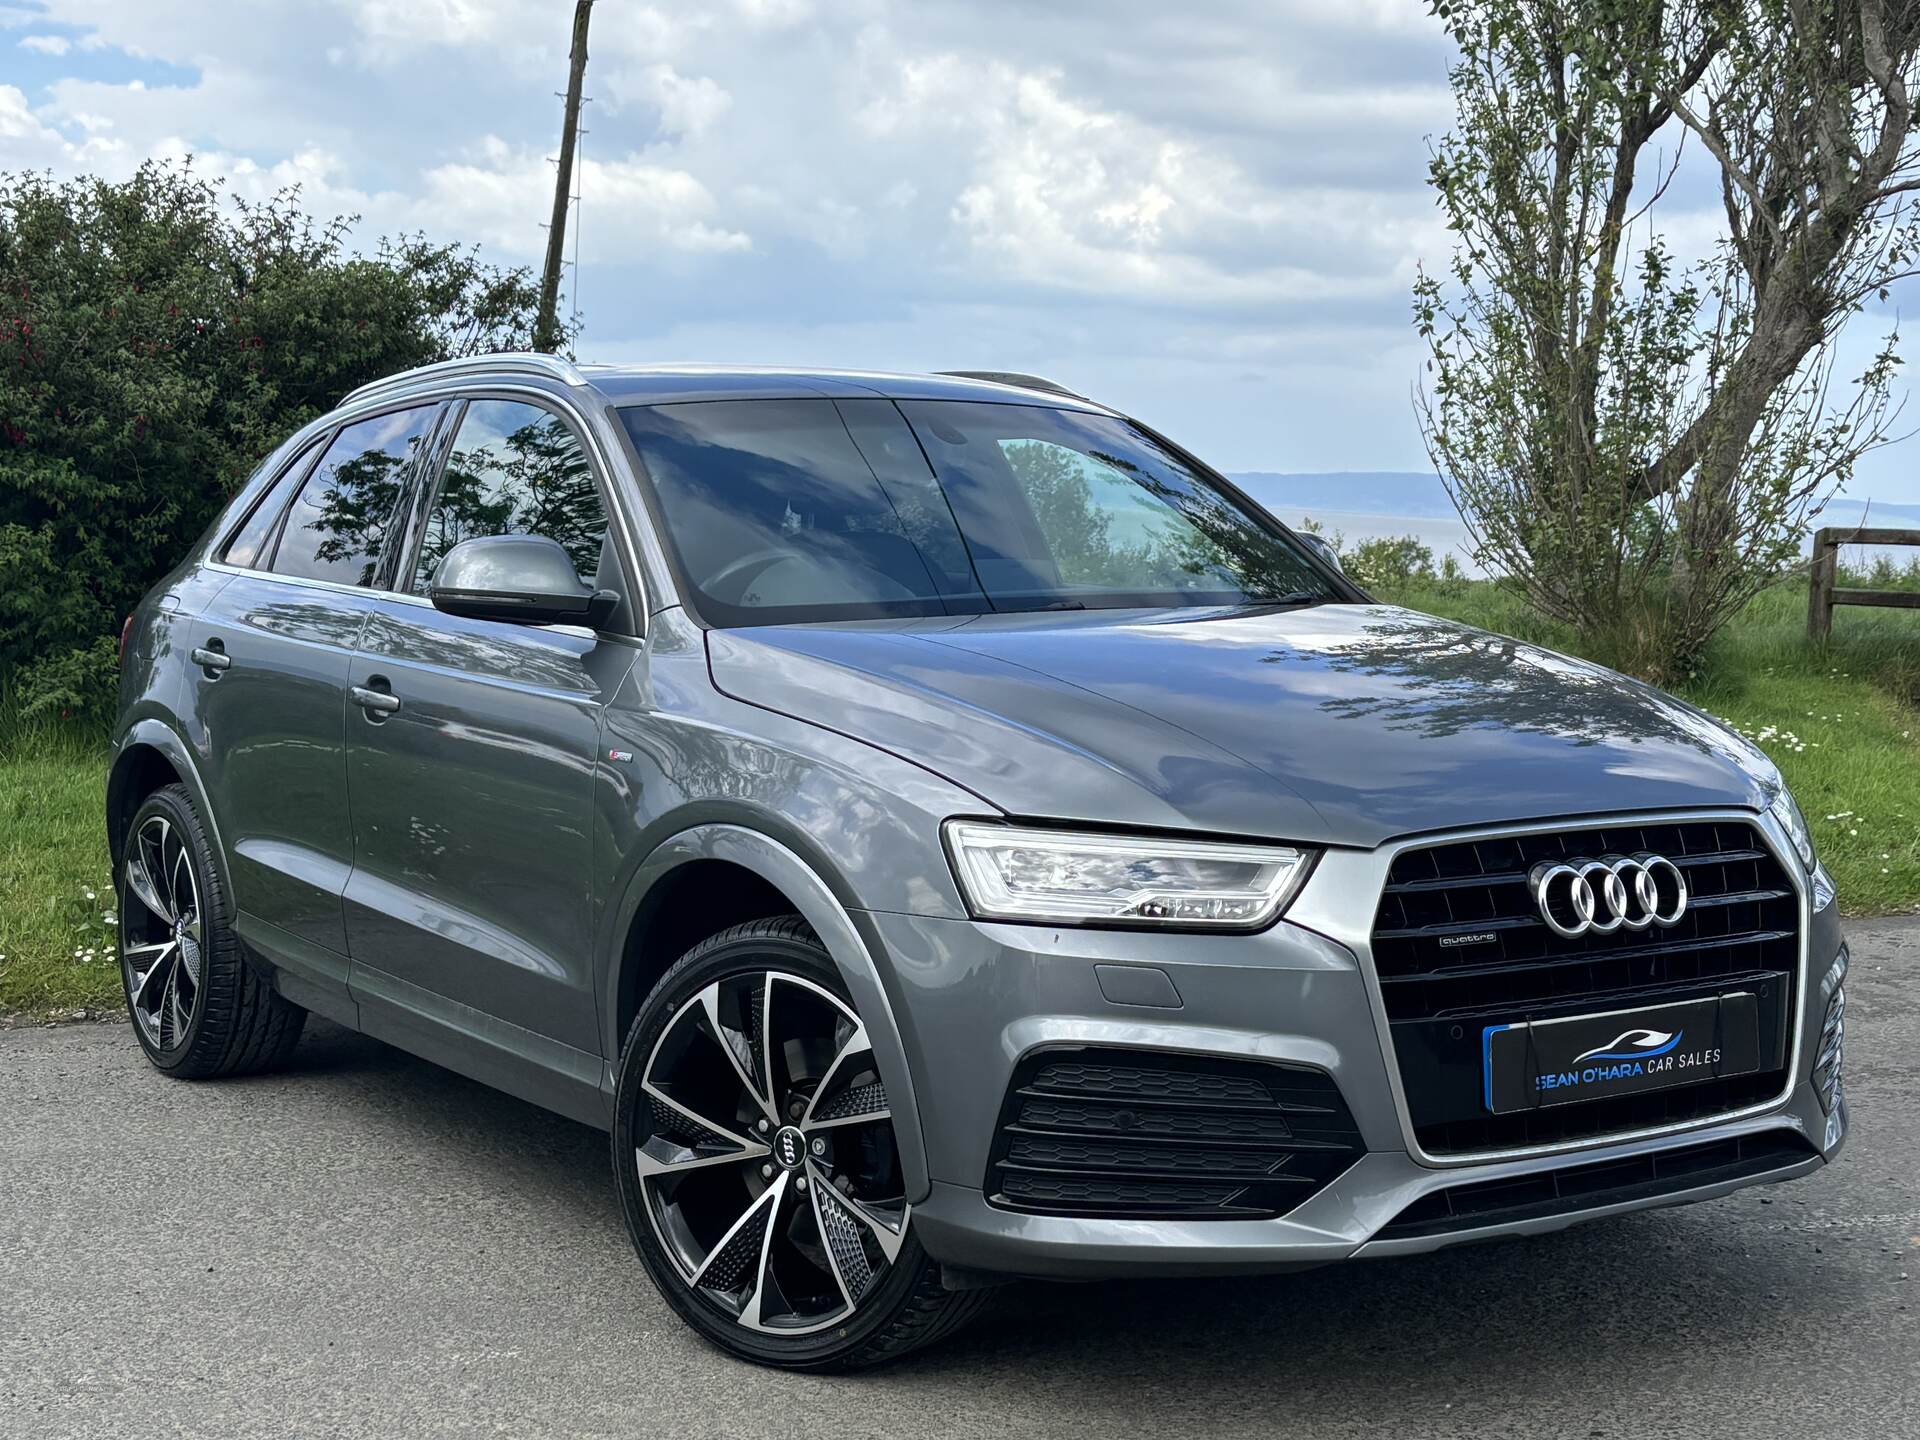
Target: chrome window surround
{"type": "Point", "coordinates": [1325, 905]}
{"type": "Point", "coordinates": [371, 399]}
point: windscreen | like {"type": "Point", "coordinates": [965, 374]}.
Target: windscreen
{"type": "Point", "coordinates": [786, 511]}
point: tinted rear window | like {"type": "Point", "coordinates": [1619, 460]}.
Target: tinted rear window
{"type": "Point", "coordinates": [792, 510]}
{"type": "Point", "coordinates": [250, 542]}
{"type": "Point", "coordinates": [337, 528]}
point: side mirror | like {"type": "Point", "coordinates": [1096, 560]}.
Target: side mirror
{"type": "Point", "coordinates": [520, 579]}
{"type": "Point", "coordinates": [1323, 549]}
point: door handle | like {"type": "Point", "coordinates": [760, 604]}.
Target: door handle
{"type": "Point", "coordinates": [375, 702]}
{"type": "Point", "coordinates": [212, 658]}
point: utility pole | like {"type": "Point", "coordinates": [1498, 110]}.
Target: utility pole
{"type": "Point", "coordinates": [546, 329]}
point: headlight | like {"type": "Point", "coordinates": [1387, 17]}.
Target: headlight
{"type": "Point", "coordinates": [1794, 823]}
{"type": "Point", "coordinates": [1783, 809]}
{"type": "Point", "coordinates": [1064, 877]}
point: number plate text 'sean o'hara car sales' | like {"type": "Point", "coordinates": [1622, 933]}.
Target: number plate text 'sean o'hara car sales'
{"type": "Point", "coordinates": [944, 832]}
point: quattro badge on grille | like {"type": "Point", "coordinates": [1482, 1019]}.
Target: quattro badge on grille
{"type": "Point", "coordinates": [1597, 897]}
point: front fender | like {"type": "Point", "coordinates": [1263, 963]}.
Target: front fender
{"type": "Point", "coordinates": [817, 904]}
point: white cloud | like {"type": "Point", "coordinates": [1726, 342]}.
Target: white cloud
{"type": "Point", "coordinates": [28, 143]}
{"type": "Point", "coordinates": [495, 198]}
{"type": "Point", "coordinates": [46, 44]}
{"type": "Point", "coordinates": [688, 105]}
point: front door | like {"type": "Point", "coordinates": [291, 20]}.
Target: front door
{"type": "Point", "coordinates": [471, 749]}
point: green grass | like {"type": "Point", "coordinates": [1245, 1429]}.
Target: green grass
{"type": "Point", "coordinates": [1841, 722]}
{"type": "Point", "coordinates": [56, 949]}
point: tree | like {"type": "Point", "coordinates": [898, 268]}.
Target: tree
{"type": "Point", "coordinates": [1638, 435]}
{"type": "Point", "coordinates": [156, 340]}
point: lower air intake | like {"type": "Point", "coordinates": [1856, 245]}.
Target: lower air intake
{"type": "Point", "coordinates": [1546, 1193]}
{"type": "Point", "coordinates": [1137, 1134]}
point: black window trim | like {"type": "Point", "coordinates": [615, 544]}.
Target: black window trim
{"type": "Point", "coordinates": [441, 452]}
{"type": "Point", "coordinates": [422, 487]}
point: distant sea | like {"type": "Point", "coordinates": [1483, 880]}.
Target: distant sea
{"type": "Point", "coordinates": [1366, 505]}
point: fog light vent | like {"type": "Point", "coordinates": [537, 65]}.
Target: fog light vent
{"type": "Point", "coordinates": [1139, 1134]}
{"type": "Point", "coordinates": [1832, 1051]}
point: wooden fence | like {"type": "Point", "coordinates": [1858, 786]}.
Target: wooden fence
{"type": "Point", "coordinates": [1826, 561]}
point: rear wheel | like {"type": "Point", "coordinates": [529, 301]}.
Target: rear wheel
{"type": "Point", "coordinates": [198, 1006]}
{"type": "Point", "coordinates": [755, 1155]}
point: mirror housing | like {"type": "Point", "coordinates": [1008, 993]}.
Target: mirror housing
{"type": "Point", "coordinates": [520, 580]}
{"type": "Point", "coordinates": [1323, 548]}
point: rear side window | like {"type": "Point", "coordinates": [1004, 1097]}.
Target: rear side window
{"type": "Point", "coordinates": [338, 527]}
{"type": "Point", "coordinates": [252, 541]}
{"type": "Point", "coordinates": [515, 469]}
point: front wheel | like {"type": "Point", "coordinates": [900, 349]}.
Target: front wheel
{"type": "Point", "coordinates": [755, 1155]}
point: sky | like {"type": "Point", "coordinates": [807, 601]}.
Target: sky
{"type": "Point", "coordinates": [1209, 215]}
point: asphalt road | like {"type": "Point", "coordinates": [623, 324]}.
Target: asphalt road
{"type": "Point", "coordinates": [370, 1246]}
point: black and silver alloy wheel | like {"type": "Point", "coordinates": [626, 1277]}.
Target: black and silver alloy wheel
{"type": "Point", "coordinates": [754, 1148]}
{"type": "Point", "coordinates": [199, 1006]}
{"type": "Point", "coordinates": [768, 1166]}
{"type": "Point", "coordinates": [161, 932]}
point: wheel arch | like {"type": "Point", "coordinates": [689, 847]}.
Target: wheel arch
{"type": "Point", "coordinates": [800, 885]}
{"type": "Point", "coordinates": [152, 755]}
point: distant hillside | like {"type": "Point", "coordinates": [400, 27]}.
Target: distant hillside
{"type": "Point", "coordinates": [1361, 492]}
{"type": "Point", "coordinates": [1422, 496]}
{"type": "Point", "coordinates": [1871, 512]}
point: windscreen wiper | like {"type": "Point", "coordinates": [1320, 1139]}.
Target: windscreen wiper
{"type": "Point", "coordinates": [1298, 597]}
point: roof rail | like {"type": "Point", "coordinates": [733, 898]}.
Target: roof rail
{"type": "Point", "coordinates": [520, 362]}
{"type": "Point", "coordinates": [1014, 377]}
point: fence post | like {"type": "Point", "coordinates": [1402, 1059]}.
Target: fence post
{"type": "Point", "coordinates": [1826, 554]}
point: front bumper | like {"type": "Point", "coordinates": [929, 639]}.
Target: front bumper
{"type": "Point", "coordinates": [971, 999]}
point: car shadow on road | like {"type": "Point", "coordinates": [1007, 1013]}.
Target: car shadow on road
{"type": "Point", "coordinates": [1584, 1309]}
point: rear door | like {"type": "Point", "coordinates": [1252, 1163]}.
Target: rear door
{"type": "Point", "coordinates": [270, 656]}
{"type": "Point", "coordinates": [471, 749]}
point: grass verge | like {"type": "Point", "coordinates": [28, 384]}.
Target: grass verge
{"type": "Point", "coordinates": [56, 900]}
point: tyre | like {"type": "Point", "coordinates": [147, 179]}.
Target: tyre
{"type": "Point", "coordinates": [756, 1161]}
{"type": "Point", "coordinates": [197, 1004]}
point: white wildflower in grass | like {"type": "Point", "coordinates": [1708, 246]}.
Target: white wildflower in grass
{"type": "Point", "coordinates": [89, 894]}
{"type": "Point", "coordinates": [106, 917]}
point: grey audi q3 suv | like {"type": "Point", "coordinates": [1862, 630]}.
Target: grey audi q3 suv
{"type": "Point", "coordinates": [944, 832]}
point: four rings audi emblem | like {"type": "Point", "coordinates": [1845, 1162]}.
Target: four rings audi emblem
{"type": "Point", "coordinates": [1597, 897]}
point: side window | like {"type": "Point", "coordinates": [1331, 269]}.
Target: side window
{"type": "Point", "coordinates": [249, 544]}
{"type": "Point", "coordinates": [515, 469]}
{"type": "Point", "coordinates": [337, 527]}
